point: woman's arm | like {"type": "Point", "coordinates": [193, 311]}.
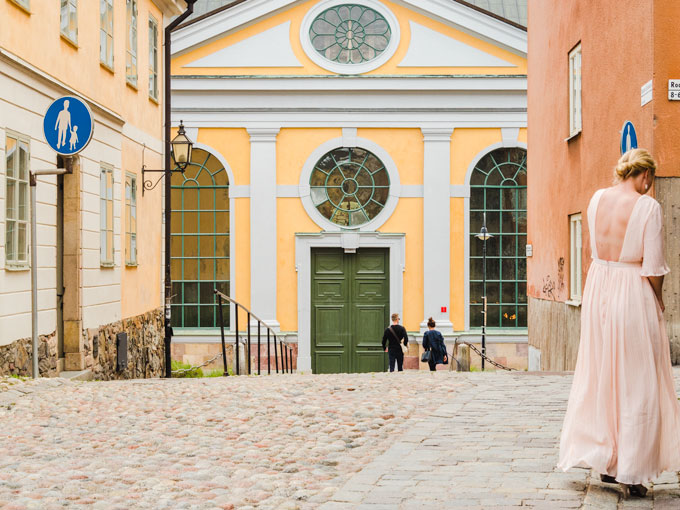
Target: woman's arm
{"type": "Point", "coordinates": [657, 285]}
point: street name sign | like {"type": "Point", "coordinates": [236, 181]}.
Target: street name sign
{"type": "Point", "coordinates": [674, 90]}
{"type": "Point", "coordinates": [68, 125]}
{"type": "Point", "coordinates": [628, 137]}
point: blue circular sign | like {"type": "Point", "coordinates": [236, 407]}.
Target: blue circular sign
{"type": "Point", "coordinates": [628, 137]}
{"type": "Point", "coordinates": [68, 125]}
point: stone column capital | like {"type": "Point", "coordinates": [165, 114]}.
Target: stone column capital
{"type": "Point", "coordinates": [263, 134]}
{"type": "Point", "coordinates": [437, 134]}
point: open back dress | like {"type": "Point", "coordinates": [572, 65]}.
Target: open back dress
{"type": "Point", "coordinates": [623, 417]}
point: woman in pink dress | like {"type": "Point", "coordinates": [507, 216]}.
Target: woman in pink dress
{"type": "Point", "coordinates": [623, 417]}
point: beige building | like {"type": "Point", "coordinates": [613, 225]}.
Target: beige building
{"type": "Point", "coordinates": [99, 238]}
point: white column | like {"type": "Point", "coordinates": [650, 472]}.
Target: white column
{"type": "Point", "coordinates": [263, 224]}
{"type": "Point", "coordinates": [437, 227]}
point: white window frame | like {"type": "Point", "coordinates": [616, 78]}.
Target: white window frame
{"type": "Point", "coordinates": [575, 258]}
{"type": "Point", "coordinates": [131, 43]}
{"type": "Point", "coordinates": [68, 12]}
{"type": "Point", "coordinates": [106, 34]}
{"type": "Point", "coordinates": [106, 230]}
{"type": "Point", "coordinates": [130, 214]}
{"type": "Point", "coordinates": [153, 58]}
{"type": "Point", "coordinates": [20, 184]}
{"type": "Point", "coordinates": [23, 4]}
{"type": "Point", "coordinates": [575, 91]}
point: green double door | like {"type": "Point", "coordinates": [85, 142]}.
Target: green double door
{"type": "Point", "coordinates": [350, 310]}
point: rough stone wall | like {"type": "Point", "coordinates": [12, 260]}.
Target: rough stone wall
{"type": "Point", "coordinates": [554, 329]}
{"type": "Point", "coordinates": [16, 358]}
{"type": "Point", "coordinates": [145, 348]}
{"type": "Point", "coordinates": [667, 193]}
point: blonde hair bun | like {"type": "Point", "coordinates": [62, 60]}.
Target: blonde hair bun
{"type": "Point", "coordinates": [633, 163]}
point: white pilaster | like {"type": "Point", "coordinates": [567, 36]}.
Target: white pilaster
{"type": "Point", "coordinates": [437, 227]}
{"type": "Point", "coordinates": [263, 224]}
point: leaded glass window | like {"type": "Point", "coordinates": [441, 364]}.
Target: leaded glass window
{"type": "Point", "coordinates": [349, 186]}
{"type": "Point", "coordinates": [200, 241]}
{"type": "Point", "coordinates": [498, 187]}
{"type": "Point", "coordinates": [350, 34]}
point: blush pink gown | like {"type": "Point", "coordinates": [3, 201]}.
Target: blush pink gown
{"type": "Point", "coordinates": [623, 417]}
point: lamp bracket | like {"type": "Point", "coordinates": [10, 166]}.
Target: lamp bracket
{"type": "Point", "coordinates": [148, 184]}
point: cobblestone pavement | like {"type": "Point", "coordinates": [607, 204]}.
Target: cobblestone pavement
{"type": "Point", "coordinates": [367, 442]}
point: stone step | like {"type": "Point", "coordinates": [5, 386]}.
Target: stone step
{"type": "Point", "coordinates": [77, 375]}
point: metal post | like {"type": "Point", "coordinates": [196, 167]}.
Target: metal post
{"type": "Point", "coordinates": [284, 358]}
{"type": "Point", "coordinates": [484, 296]}
{"type": "Point", "coordinates": [224, 348]}
{"type": "Point", "coordinates": [248, 343]}
{"type": "Point", "coordinates": [168, 181]}
{"type": "Point", "coordinates": [258, 348]}
{"type": "Point", "coordinates": [290, 359]}
{"type": "Point", "coordinates": [269, 354]}
{"type": "Point", "coordinates": [276, 355]}
{"type": "Point", "coordinates": [237, 362]}
{"type": "Point", "coordinates": [34, 281]}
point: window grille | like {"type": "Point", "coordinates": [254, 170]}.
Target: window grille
{"type": "Point", "coordinates": [498, 187]}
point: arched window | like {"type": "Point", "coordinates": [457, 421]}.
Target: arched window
{"type": "Point", "coordinates": [498, 187]}
{"type": "Point", "coordinates": [200, 241]}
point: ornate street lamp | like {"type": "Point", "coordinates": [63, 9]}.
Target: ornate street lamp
{"type": "Point", "coordinates": [484, 236]}
{"type": "Point", "coordinates": [180, 152]}
{"type": "Point", "coordinates": [181, 148]}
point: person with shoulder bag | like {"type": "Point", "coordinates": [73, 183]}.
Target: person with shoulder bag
{"type": "Point", "coordinates": [435, 349]}
{"type": "Point", "coordinates": [395, 342]}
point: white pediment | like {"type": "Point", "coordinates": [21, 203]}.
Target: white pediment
{"type": "Point", "coordinates": [270, 48]}
{"type": "Point", "coordinates": [429, 48]}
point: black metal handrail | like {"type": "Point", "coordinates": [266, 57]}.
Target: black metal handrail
{"type": "Point", "coordinates": [286, 351]}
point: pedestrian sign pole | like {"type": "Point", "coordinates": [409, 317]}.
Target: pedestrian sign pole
{"type": "Point", "coordinates": [68, 126]}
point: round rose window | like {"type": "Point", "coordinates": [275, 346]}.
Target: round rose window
{"type": "Point", "coordinates": [350, 34]}
{"type": "Point", "coordinates": [349, 186]}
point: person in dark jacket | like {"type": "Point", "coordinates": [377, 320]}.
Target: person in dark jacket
{"type": "Point", "coordinates": [433, 341]}
{"type": "Point", "coordinates": [391, 342]}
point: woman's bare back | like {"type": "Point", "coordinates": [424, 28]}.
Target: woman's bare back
{"type": "Point", "coordinates": [611, 221]}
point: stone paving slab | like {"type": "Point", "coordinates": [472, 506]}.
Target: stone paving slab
{"type": "Point", "coordinates": [298, 442]}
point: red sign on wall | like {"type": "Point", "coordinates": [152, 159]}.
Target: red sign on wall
{"type": "Point", "coordinates": [443, 309]}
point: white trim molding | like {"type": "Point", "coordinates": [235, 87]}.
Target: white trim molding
{"type": "Point", "coordinates": [354, 69]}
{"type": "Point", "coordinates": [335, 143]}
{"type": "Point", "coordinates": [263, 223]}
{"type": "Point", "coordinates": [437, 227]}
{"type": "Point", "coordinates": [396, 243]}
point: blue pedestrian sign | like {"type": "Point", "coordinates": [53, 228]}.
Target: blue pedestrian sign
{"type": "Point", "coordinates": [68, 125]}
{"type": "Point", "coordinates": [628, 137]}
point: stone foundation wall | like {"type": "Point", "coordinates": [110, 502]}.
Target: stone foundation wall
{"type": "Point", "coordinates": [554, 330]}
{"type": "Point", "coordinates": [145, 350]}
{"type": "Point", "coordinates": [145, 343]}
{"type": "Point", "coordinates": [667, 193]}
{"type": "Point", "coordinates": [16, 358]}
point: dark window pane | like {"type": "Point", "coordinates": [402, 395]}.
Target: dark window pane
{"type": "Point", "coordinates": [207, 293]}
{"type": "Point", "coordinates": [495, 178]}
{"type": "Point", "coordinates": [494, 316]}
{"type": "Point", "coordinates": [176, 316]}
{"type": "Point", "coordinates": [509, 289]}
{"type": "Point", "coordinates": [478, 178]}
{"type": "Point", "coordinates": [509, 269]}
{"type": "Point", "coordinates": [476, 221]}
{"type": "Point", "coordinates": [492, 292]}
{"type": "Point", "coordinates": [476, 269]}
{"type": "Point", "coordinates": [475, 292]}
{"type": "Point", "coordinates": [509, 222]}
{"type": "Point", "coordinates": [522, 317]}
{"type": "Point", "coordinates": [521, 269]}
{"type": "Point", "coordinates": [191, 293]}
{"type": "Point", "coordinates": [493, 198]}
{"type": "Point", "coordinates": [508, 316]}
{"type": "Point", "coordinates": [509, 245]}
{"type": "Point", "coordinates": [522, 292]}
{"type": "Point", "coordinates": [493, 269]}
{"type": "Point", "coordinates": [475, 316]}
{"type": "Point", "coordinates": [493, 222]}
{"type": "Point", "coordinates": [509, 198]}
{"type": "Point", "coordinates": [476, 199]}
{"type": "Point", "coordinates": [191, 316]}
{"type": "Point", "coordinates": [208, 317]}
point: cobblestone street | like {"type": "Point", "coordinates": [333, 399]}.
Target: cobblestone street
{"type": "Point", "coordinates": [369, 441]}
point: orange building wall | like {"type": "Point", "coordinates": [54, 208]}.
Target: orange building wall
{"type": "Point", "coordinates": [616, 39]}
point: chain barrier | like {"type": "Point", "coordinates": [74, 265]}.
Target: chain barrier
{"type": "Point", "coordinates": [191, 369]}
{"type": "Point", "coordinates": [494, 363]}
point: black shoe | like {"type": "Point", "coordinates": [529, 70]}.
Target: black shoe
{"type": "Point", "coordinates": [608, 479]}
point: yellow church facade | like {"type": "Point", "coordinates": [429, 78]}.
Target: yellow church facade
{"type": "Point", "coordinates": [345, 156]}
